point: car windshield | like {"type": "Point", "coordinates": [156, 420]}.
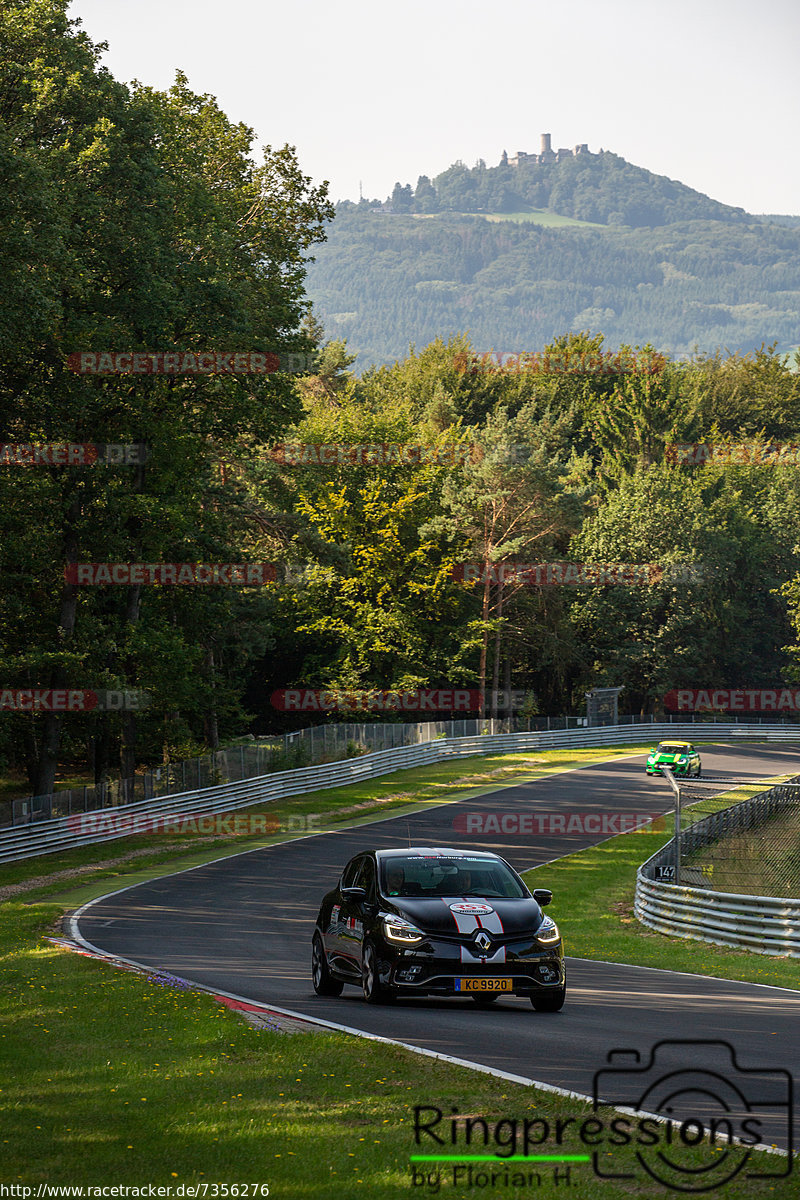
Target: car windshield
{"type": "Point", "coordinates": [437, 875]}
{"type": "Point", "coordinates": [672, 748]}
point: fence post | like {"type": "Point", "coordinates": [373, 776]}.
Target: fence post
{"type": "Point", "coordinates": [676, 788]}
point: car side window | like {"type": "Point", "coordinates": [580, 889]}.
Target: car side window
{"type": "Point", "coordinates": [351, 871]}
{"type": "Point", "coordinates": [366, 878]}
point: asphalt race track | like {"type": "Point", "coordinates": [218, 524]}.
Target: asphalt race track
{"type": "Point", "coordinates": [243, 925]}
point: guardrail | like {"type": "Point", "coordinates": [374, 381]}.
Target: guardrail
{"type": "Point", "coordinates": [764, 924]}
{"type": "Point", "coordinates": [325, 743]}
{"type": "Point", "coordinates": [47, 837]}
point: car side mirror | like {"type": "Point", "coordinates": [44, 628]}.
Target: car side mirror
{"type": "Point", "coordinates": [354, 893]}
{"type": "Point", "coordinates": [542, 896]}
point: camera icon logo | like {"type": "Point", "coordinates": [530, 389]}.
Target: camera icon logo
{"type": "Point", "coordinates": [696, 1115]}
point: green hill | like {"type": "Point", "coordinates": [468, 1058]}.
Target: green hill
{"type": "Point", "coordinates": [602, 188]}
{"type": "Point", "coordinates": [590, 243]}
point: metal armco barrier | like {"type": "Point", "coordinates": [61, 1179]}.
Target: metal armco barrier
{"type": "Point", "coordinates": [764, 924]}
{"type": "Point", "coordinates": [46, 837]}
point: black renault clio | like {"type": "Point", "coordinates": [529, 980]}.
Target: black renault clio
{"type": "Point", "coordinates": [437, 922]}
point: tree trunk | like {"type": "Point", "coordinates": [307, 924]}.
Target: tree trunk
{"type": "Point", "coordinates": [211, 724]}
{"type": "Point", "coordinates": [47, 759]}
{"type": "Point", "coordinates": [129, 725]}
{"type": "Point", "coordinates": [102, 754]}
{"type": "Point", "coordinates": [497, 649]}
{"type": "Point", "coordinates": [485, 642]}
{"type": "Point", "coordinates": [128, 745]}
{"type": "Point", "coordinates": [31, 751]}
{"type": "Point", "coordinates": [507, 683]}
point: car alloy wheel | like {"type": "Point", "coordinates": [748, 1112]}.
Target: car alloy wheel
{"type": "Point", "coordinates": [324, 983]}
{"type": "Point", "coordinates": [374, 991]}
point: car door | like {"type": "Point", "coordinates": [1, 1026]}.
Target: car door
{"type": "Point", "coordinates": [337, 939]}
{"type": "Point", "coordinates": [368, 907]}
{"type": "Point", "coordinates": [355, 912]}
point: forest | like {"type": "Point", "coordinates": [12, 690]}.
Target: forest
{"type": "Point", "coordinates": [384, 281]}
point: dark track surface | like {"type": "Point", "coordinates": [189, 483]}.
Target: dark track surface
{"type": "Point", "coordinates": [244, 924]}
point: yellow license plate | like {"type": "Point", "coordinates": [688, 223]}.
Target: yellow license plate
{"type": "Point", "coordinates": [483, 985]}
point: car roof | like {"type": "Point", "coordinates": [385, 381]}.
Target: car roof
{"type": "Point", "coordinates": [434, 852]}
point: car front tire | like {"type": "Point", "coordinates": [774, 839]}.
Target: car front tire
{"type": "Point", "coordinates": [324, 983]}
{"type": "Point", "coordinates": [550, 1001]}
{"type": "Point", "coordinates": [374, 991]}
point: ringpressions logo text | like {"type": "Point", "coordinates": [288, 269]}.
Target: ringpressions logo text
{"type": "Point", "coordinates": [687, 1115]}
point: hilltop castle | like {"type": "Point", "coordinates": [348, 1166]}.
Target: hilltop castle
{"type": "Point", "coordinates": [546, 154]}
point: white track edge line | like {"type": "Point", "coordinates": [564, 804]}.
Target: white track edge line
{"type": "Point", "coordinates": [775, 987]}
{"type": "Point", "coordinates": [496, 1072]}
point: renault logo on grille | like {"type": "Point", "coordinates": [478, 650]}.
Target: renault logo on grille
{"type": "Point", "coordinates": [482, 940]}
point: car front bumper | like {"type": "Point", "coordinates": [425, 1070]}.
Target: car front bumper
{"type": "Point", "coordinates": [676, 768]}
{"type": "Point", "coordinates": [436, 971]}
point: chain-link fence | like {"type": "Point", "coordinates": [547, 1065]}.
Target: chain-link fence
{"type": "Point", "coordinates": [750, 846]}
{"type": "Point", "coordinates": [223, 766]}
{"type": "Point", "coordinates": [305, 747]}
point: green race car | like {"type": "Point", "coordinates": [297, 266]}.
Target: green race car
{"type": "Point", "coordinates": [680, 757]}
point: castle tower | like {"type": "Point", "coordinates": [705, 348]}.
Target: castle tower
{"type": "Point", "coordinates": [545, 143]}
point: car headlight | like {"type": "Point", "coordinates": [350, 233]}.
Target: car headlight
{"type": "Point", "coordinates": [397, 929]}
{"type": "Point", "coordinates": [547, 933]}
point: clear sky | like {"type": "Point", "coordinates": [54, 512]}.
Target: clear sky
{"type": "Point", "coordinates": [702, 91]}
